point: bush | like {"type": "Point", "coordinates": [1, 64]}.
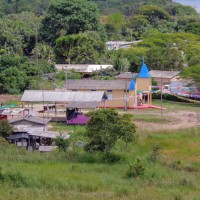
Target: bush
{"type": "Point", "coordinates": [169, 97]}
{"type": "Point", "coordinates": [155, 152]}
{"type": "Point", "coordinates": [136, 170]}
{"type": "Point", "coordinates": [99, 157]}
{"type": "Point", "coordinates": [61, 143]}
{"type": "Point", "coordinates": [17, 179]}
{"type": "Point", "coordinates": [111, 158]}
{"type": "Point", "coordinates": [5, 129]}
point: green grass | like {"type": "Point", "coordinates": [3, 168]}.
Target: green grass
{"type": "Point", "coordinates": [78, 175]}
{"type": "Point", "coordinates": [150, 118]}
{"type": "Point", "coordinates": [177, 106]}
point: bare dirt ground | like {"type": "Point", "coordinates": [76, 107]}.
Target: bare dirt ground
{"type": "Point", "coordinates": [177, 120]}
{"type": "Point", "coordinates": [6, 98]}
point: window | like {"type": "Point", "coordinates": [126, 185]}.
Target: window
{"type": "Point", "coordinates": [93, 90]}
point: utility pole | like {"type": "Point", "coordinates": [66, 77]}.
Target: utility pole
{"type": "Point", "coordinates": [161, 97]}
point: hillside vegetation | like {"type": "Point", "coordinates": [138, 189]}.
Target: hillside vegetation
{"type": "Point", "coordinates": [168, 169]}
{"type": "Point", "coordinates": [75, 32]}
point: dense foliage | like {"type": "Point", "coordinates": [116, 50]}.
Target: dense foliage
{"type": "Point", "coordinates": [69, 17]}
{"type": "Point", "coordinates": [74, 32]}
{"type": "Point", "coordinates": [18, 73]}
{"type": "Point", "coordinates": [106, 127]}
{"type": "Point", "coordinates": [5, 129]}
{"type": "Point", "coordinates": [83, 48]}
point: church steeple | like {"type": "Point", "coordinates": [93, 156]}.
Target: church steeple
{"type": "Point", "coordinates": [132, 84]}
{"type": "Point", "coordinates": [144, 72]}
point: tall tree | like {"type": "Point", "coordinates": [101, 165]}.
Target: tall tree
{"type": "Point", "coordinates": [84, 48]}
{"type": "Point", "coordinates": [154, 13]}
{"type": "Point", "coordinates": [69, 17]}
{"type": "Point", "coordinates": [192, 73]}
{"type": "Point", "coordinates": [106, 127]}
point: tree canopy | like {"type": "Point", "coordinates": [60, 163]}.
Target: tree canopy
{"type": "Point", "coordinates": [83, 48]}
{"type": "Point", "coordinates": [34, 34]}
{"type": "Point", "coordinates": [69, 17]}
{"type": "Point", "coordinates": [106, 127]}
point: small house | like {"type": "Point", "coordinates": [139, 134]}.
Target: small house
{"type": "Point", "coordinates": [23, 125]}
{"type": "Point", "coordinates": [163, 77]}
{"type": "Point", "coordinates": [115, 45]}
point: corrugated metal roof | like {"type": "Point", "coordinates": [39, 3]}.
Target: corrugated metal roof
{"type": "Point", "coordinates": [82, 68]}
{"type": "Point", "coordinates": [30, 118]}
{"type": "Point", "coordinates": [12, 111]}
{"type": "Point", "coordinates": [126, 75]}
{"type": "Point", "coordinates": [97, 84]}
{"type": "Point", "coordinates": [82, 105]}
{"type": "Point", "coordinates": [61, 96]}
{"type": "Point", "coordinates": [26, 128]}
{"type": "Point", "coordinates": [163, 74]}
{"type": "Point", "coordinates": [79, 68]}
{"type": "Point", "coordinates": [48, 134]}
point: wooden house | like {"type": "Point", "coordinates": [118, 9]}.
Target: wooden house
{"type": "Point", "coordinates": [163, 77]}
{"type": "Point", "coordinates": [22, 126]}
{"type": "Point", "coordinates": [121, 93]}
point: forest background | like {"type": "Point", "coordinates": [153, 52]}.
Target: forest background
{"type": "Point", "coordinates": [36, 34]}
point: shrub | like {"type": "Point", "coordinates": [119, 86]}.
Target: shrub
{"type": "Point", "coordinates": [61, 143]}
{"type": "Point", "coordinates": [17, 179]}
{"type": "Point", "coordinates": [155, 152]}
{"type": "Point", "coordinates": [5, 128]}
{"type": "Point", "coordinates": [111, 158]}
{"type": "Point", "coordinates": [169, 97]}
{"type": "Point", "coordinates": [135, 170]}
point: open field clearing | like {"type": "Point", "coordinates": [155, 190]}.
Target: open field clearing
{"type": "Point", "coordinates": [168, 148]}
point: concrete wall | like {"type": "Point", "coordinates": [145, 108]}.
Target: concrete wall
{"type": "Point", "coordinates": [116, 99]}
{"type": "Point", "coordinates": [144, 84]}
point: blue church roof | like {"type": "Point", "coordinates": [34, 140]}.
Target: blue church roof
{"type": "Point", "coordinates": [132, 84]}
{"type": "Point", "coordinates": [144, 72]}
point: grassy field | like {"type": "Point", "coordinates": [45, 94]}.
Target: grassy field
{"type": "Point", "coordinates": [173, 106]}
{"type": "Point", "coordinates": [175, 174]}
{"type": "Point", "coordinates": [172, 172]}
